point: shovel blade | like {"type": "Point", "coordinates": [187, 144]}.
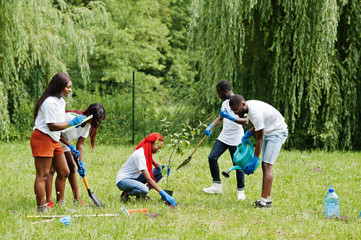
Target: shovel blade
{"type": "Point", "coordinates": [185, 162]}
{"type": "Point", "coordinates": [95, 199]}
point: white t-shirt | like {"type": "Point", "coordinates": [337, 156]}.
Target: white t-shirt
{"type": "Point", "coordinates": [74, 133]}
{"type": "Point", "coordinates": [133, 166]}
{"type": "Point", "coordinates": [51, 111]}
{"type": "Point", "coordinates": [231, 132]}
{"type": "Point", "coordinates": [264, 116]}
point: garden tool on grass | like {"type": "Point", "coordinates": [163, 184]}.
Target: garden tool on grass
{"type": "Point", "coordinates": [241, 157]}
{"type": "Point", "coordinates": [190, 156]}
{"type": "Point", "coordinates": [129, 211]}
{"type": "Point", "coordinates": [91, 194]}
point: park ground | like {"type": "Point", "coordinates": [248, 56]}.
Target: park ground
{"type": "Point", "coordinates": [298, 195]}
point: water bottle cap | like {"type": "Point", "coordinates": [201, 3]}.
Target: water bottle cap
{"type": "Point", "coordinates": [331, 190]}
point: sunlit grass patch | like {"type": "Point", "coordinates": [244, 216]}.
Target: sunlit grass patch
{"type": "Point", "coordinates": [298, 194]}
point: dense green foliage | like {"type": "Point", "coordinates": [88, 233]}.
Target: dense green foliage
{"type": "Point", "coordinates": [99, 44]}
{"type": "Point", "coordinates": [303, 57]}
{"type": "Point", "coordinates": [39, 34]}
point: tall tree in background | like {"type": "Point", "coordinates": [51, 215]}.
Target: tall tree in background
{"type": "Point", "coordinates": [180, 70]}
{"type": "Point", "coordinates": [42, 34]}
{"type": "Point", "coordinates": [148, 36]}
{"type": "Point", "coordinates": [302, 57]}
{"type": "Point", "coordinates": [134, 40]}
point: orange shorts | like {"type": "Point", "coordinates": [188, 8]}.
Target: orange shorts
{"type": "Point", "coordinates": [42, 145]}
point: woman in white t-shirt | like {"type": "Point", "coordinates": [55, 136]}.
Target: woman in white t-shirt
{"type": "Point", "coordinates": [80, 133]}
{"type": "Point", "coordinates": [138, 170]}
{"type": "Point", "coordinates": [49, 117]}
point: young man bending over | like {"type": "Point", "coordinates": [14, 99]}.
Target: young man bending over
{"type": "Point", "coordinates": [270, 130]}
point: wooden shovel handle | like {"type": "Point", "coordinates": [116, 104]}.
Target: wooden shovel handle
{"type": "Point", "coordinates": [204, 138]}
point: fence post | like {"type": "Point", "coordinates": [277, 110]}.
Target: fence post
{"type": "Point", "coordinates": [37, 84]}
{"type": "Point", "coordinates": [133, 105]}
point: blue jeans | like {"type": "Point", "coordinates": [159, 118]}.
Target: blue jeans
{"type": "Point", "coordinates": [136, 186]}
{"type": "Point", "coordinates": [272, 146]}
{"type": "Point", "coordinates": [218, 149]}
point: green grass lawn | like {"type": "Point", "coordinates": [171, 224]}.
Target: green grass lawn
{"type": "Point", "coordinates": [298, 194]}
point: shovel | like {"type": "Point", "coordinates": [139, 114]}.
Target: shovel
{"type": "Point", "coordinates": [91, 194]}
{"type": "Point", "coordinates": [190, 156]}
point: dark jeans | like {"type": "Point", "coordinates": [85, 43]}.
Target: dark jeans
{"type": "Point", "coordinates": [218, 149]}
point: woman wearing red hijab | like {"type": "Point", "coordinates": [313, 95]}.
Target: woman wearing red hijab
{"type": "Point", "coordinates": [138, 170]}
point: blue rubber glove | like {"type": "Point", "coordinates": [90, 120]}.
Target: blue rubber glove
{"type": "Point", "coordinates": [76, 120]}
{"type": "Point", "coordinates": [161, 167]}
{"type": "Point", "coordinates": [246, 136]}
{"type": "Point", "coordinates": [225, 114]}
{"type": "Point", "coordinates": [82, 169]}
{"type": "Point", "coordinates": [168, 198]}
{"type": "Point", "coordinates": [73, 150]}
{"type": "Point", "coordinates": [208, 130]}
{"type": "Point", "coordinates": [251, 166]}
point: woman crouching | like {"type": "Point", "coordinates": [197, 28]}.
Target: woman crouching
{"type": "Point", "coordinates": [138, 170]}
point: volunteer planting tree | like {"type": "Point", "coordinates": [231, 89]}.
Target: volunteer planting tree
{"type": "Point", "coordinates": [96, 114]}
{"type": "Point", "coordinates": [228, 139]}
{"type": "Point", "coordinates": [271, 132]}
{"type": "Point", "coordinates": [138, 170]}
{"type": "Point", "coordinates": [49, 118]}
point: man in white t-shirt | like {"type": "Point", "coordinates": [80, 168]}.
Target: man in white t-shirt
{"type": "Point", "coordinates": [229, 138]}
{"type": "Point", "coordinates": [270, 130]}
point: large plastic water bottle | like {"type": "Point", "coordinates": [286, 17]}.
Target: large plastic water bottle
{"type": "Point", "coordinates": [332, 208]}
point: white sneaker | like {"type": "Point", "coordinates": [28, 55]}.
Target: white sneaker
{"type": "Point", "coordinates": [215, 188]}
{"type": "Point", "coordinates": [240, 195]}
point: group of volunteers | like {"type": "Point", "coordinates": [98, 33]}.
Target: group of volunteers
{"type": "Point", "coordinates": [51, 146]}
{"type": "Point", "coordinates": [269, 128]}
{"type": "Point", "coordinates": [53, 152]}
{"type": "Point", "coordinates": [55, 128]}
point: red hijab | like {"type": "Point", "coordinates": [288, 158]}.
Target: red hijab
{"type": "Point", "coordinates": [146, 143]}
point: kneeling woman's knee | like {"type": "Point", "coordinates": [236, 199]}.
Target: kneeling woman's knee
{"type": "Point", "coordinates": [144, 190]}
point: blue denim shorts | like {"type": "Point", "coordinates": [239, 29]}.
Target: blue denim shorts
{"type": "Point", "coordinates": [272, 146]}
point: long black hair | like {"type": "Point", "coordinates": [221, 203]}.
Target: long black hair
{"type": "Point", "coordinates": [98, 112]}
{"type": "Point", "coordinates": [55, 87]}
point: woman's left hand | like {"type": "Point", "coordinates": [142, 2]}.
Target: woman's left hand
{"type": "Point", "coordinates": [161, 167]}
{"type": "Point", "coordinates": [81, 170]}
